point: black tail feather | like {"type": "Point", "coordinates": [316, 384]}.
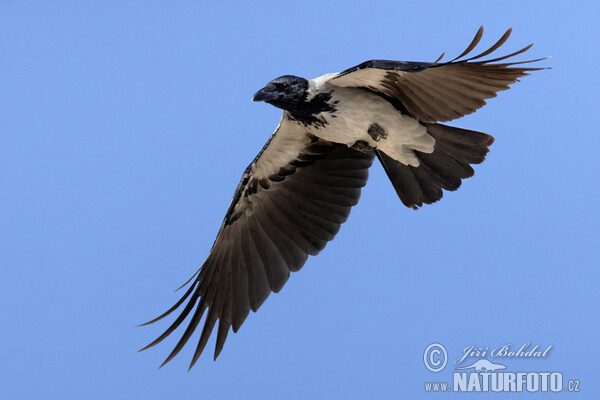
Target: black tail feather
{"type": "Point", "coordinates": [445, 168]}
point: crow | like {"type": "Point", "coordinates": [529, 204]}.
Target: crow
{"type": "Point", "coordinates": [293, 197]}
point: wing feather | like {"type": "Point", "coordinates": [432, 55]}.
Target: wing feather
{"type": "Point", "coordinates": [290, 202]}
{"type": "Point", "coordinates": [472, 45]}
{"type": "Point", "coordinates": [226, 318]}
{"type": "Point", "coordinates": [438, 92]}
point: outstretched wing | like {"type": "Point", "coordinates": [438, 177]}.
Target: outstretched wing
{"type": "Point", "coordinates": [434, 92]}
{"type": "Point", "coordinates": [290, 202]}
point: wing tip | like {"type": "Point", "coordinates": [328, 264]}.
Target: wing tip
{"type": "Point", "coordinates": [493, 48]}
{"type": "Point", "coordinates": [165, 362]}
{"type": "Point", "coordinates": [143, 348]}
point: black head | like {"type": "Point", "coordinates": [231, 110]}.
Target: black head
{"type": "Point", "coordinates": [287, 92]}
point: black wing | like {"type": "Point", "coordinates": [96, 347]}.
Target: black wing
{"type": "Point", "coordinates": [290, 202]}
{"type": "Point", "coordinates": [434, 92]}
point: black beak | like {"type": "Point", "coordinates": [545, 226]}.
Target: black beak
{"type": "Point", "coordinates": [263, 95]}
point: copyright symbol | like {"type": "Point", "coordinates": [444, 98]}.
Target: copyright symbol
{"type": "Point", "coordinates": [435, 357]}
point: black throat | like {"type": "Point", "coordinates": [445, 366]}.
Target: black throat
{"type": "Point", "coordinates": [306, 112]}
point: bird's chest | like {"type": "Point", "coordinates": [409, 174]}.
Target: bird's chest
{"type": "Point", "coordinates": [357, 115]}
{"type": "Point", "coordinates": [347, 117]}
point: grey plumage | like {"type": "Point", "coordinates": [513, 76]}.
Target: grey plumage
{"type": "Point", "coordinates": [296, 193]}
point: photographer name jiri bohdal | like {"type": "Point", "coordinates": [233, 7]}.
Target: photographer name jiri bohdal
{"type": "Point", "coordinates": [506, 350]}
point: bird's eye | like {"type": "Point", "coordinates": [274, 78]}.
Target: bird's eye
{"type": "Point", "coordinates": [281, 86]}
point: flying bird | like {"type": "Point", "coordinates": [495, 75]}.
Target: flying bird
{"type": "Point", "coordinates": [293, 197]}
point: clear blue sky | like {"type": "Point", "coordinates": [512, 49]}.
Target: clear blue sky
{"type": "Point", "coordinates": [125, 126]}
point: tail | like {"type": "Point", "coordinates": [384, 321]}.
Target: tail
{"type": "Point", "coordinates": [454, 150]}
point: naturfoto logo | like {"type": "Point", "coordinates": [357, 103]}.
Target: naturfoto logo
{"type": "Point", "coordinates": [484, 375]}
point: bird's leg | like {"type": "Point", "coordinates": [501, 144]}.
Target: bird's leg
{"type": "Point", "coordinates": [362, 146]}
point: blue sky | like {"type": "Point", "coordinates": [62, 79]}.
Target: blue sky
{"type": "Point", "coordinates": [125, 126]}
